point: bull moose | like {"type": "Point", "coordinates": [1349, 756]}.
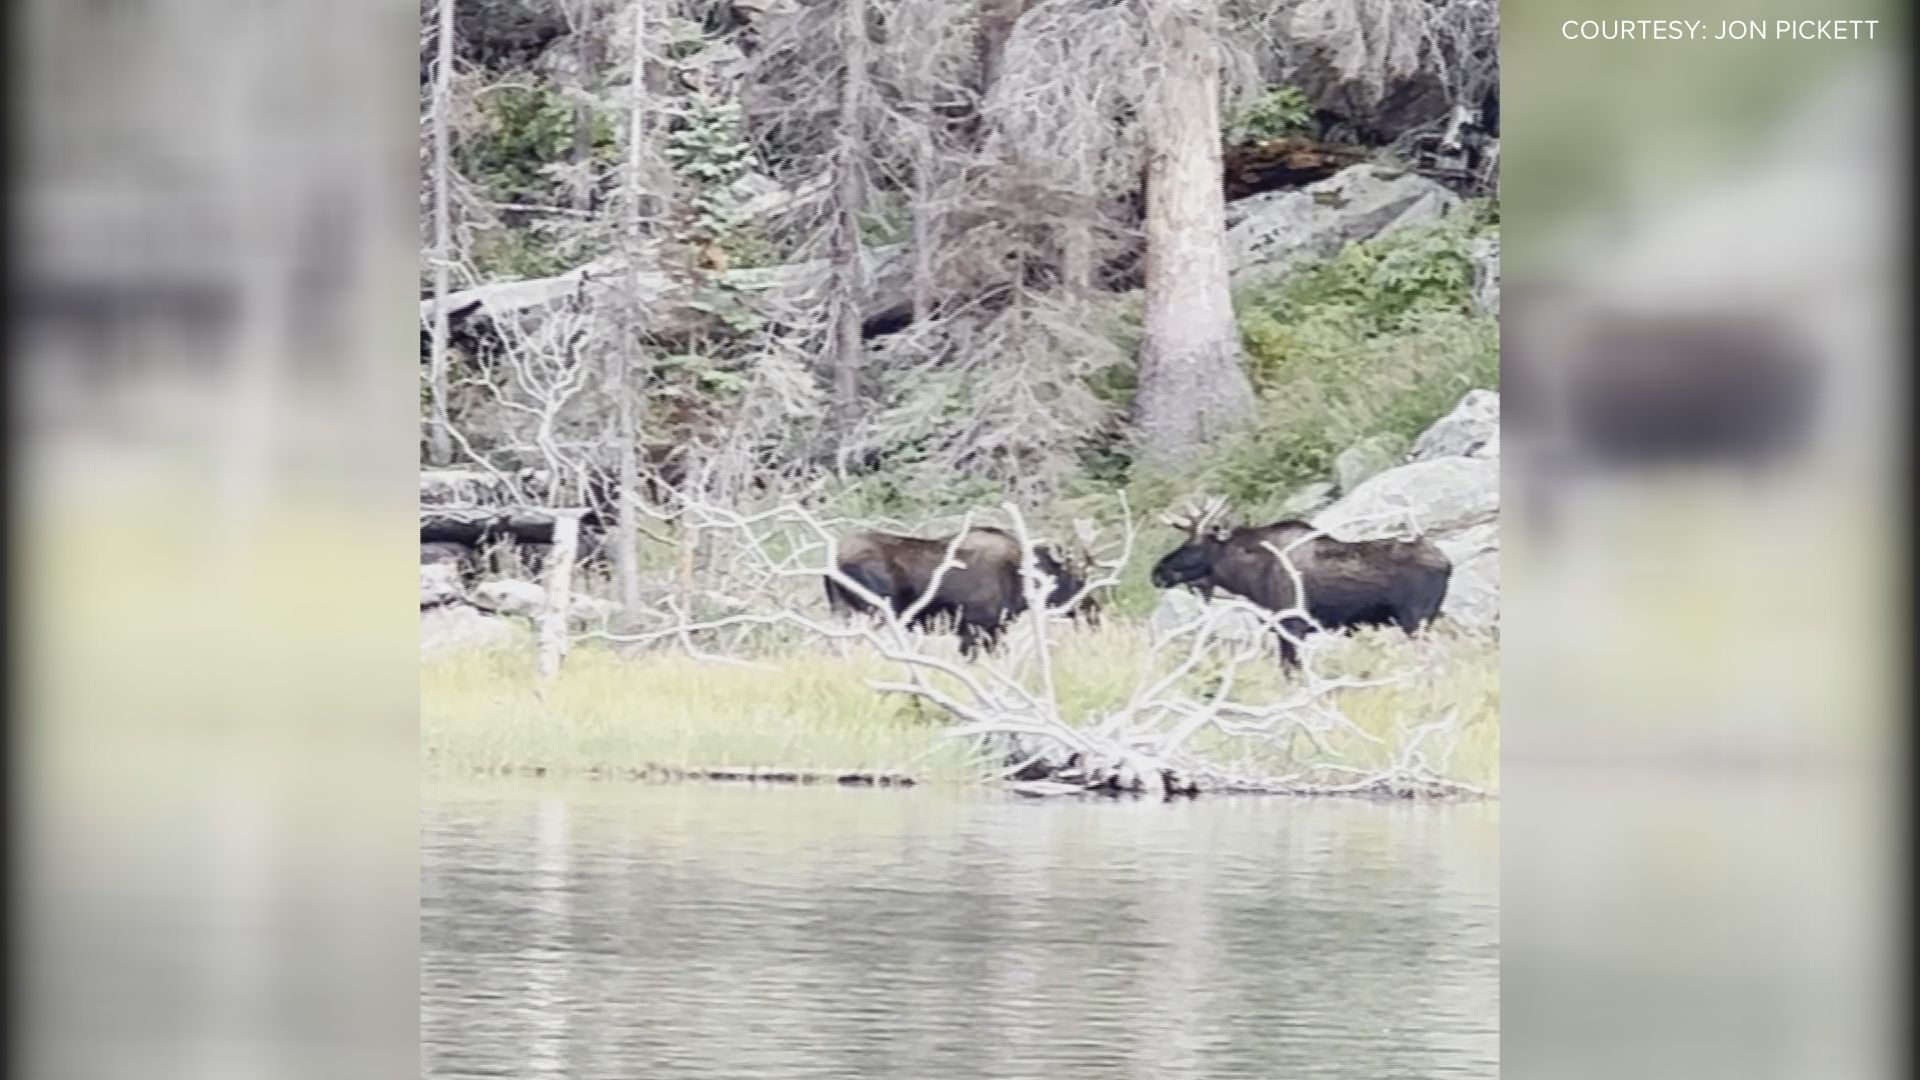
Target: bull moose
{"type": "Point", "coordinates": [1347, 583]}
{"type": "Point", "coordinates": [977, 598]}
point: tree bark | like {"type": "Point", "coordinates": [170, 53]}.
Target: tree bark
{"type": "Point", "coordinates": [990, 44]}
{"type": "Point", "coordinates": [553, 622]}
{"type": "Point", "coordinates": [626, 531]}
{"type": "Point", "coordinates": [849, 273]}
{"type": "Point", "coordinates": [1191, 388]}
{"type": "Point", "coordinates": [587, 34]}
{"type": "Point", "coordinates": [439, 437]}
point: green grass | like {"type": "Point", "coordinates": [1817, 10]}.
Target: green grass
{"type": "Point", "coordinates": [485, 712]}
{"type": "Point", "coordinates": [812, 709]}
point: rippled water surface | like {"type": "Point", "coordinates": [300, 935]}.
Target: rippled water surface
{"type": "Point", "coordinates": [710, 931]}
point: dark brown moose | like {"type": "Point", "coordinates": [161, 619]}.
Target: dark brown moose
{"type": "Point", "coordinates": [1347, 583]}
{"type": "Point", "coordinates": [976, 599]}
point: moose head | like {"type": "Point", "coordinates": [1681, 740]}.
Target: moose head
{"type": "Point", "coordinates": [1191, 564]}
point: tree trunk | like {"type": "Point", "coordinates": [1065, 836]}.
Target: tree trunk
{"type": "Point", "coordinates": [626, 531]}
{"type": "Point", "coordinates": [1191, 386]}
{"type": "Point", "coordinates": [990, 44]}
{"type": "Point", "coordinates": [849, 273]}
{"type": "Point", "coordinates": [553, 622]}
{"type": "Point", "coordinates": [439, 437]}
{"type": "Point", "coordinates": [925, 214]}
{"type": "Point", "coordinates": [587, 34]}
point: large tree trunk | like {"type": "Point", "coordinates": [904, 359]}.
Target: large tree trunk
{"type": "Point", "coordinates": [626, 552]}
{"type": "Point", "coordinates": [990, 44]}
{"type": "Point", "coordinates": [1191, 386]}
{"type": "Point", "coordinates": [849, 271]}
{"type": "Point", "coordinates": [553, 622]}
{"type": "Point", "coordinates": [588, 35]}
{"type": "Point", "coordinates": [439, 435]}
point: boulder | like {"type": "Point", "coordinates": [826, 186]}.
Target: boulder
{"type": "Point", "coordinates": [1307, 500]}
{"type": "Point", "coordinates": [439, 584]}
{"type": "Point", "coordinates": [1178, 607]}
{"type": "Point", "coordinates": [1365, 459]}
{"type": "Point", "coordinates": [1470, 543]}
{"type": "Point", "coordinates": [1485, 253]}
{"type": "Point", "coordinates": [1449, 493]}
{"type": "Point", "coordinates": [1464, 432]}
{"type": "Point", "coordinates": [1473, 592]}
{"type": "Point", "coordinates": [457, 628]}
{"type": "Point", "coordinates": [1270, 234]}
{"type": "Point", "coordinates": [507, 596]}
{"type": "Point", "coordinates": [1436, 499]}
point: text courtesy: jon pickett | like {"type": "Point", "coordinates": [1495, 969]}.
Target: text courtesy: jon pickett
{"type": "Point", "coordinates": [1724, 30]}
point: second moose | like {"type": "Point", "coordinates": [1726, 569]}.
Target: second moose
{"type": "Point", "coordinates": [978, 597]}
{"type": "Point", "coordinates": [1347, 583]}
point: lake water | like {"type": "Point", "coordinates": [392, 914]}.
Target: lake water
{"type": "Point", "coordinates": [664, 932]}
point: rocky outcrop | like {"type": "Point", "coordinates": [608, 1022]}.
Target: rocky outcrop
{"type": "Point", "coordinates": [1485, 253]}
{"type": "Point", "coordinates": [1470, 430]}
{"type": "Point", "coordinates": [1447, 489]}
{"type": "Point", "coordinates": [1449, 492]}
{"type": "Point", "coordinates": [439, 584]}
{"type": "Point", "coordinates": [1269, 234]}
{"type": "Point", "coordinates": [1308, 500]}
{"type": "Point", "coordinates": [1427, 498]}
{"type": "Point", "coordinates": [507, 596]}
{"type": "Point", "coordinates": [1365, 459]}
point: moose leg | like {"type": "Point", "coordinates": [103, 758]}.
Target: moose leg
{"type": "Point", "coordinates": [1411, 621]}
{"type": "Point", "coordinates": [971, 640]}
{"type": "Point", "coordinates": [977, 638]}
{"type": "Point", "coordinates": [1289, 633]}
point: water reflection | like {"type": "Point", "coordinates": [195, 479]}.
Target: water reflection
{"type": "Point", "coordinates": [613, 931]}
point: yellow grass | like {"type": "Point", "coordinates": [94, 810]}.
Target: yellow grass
{"type": "Point", "coordinates": [813, 709]}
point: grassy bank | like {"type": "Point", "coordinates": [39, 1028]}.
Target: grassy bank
{"type": "Point", "coordinates": [813, 710]}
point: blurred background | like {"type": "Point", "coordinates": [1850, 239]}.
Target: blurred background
{"type": "Point", "coordinates": [216, 799]}
{"type": "Point", "coordinates": [216, 405]}
{"type": "Point", "coordinates": [1701, 348]}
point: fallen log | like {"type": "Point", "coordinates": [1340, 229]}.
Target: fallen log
{"type": "Point", "coordinates": [1271, 164]}
{"type": "Point", "coordinates": [672, 305]}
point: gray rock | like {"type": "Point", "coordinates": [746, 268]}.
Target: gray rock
{"type": "Point", "coordinates": [1473, 592]}
{"type": "Point", "coordinates": [1470, 543]}
{"type": "Point", "coordinates": [439, 583]}
{"type": "Point", "coordinates": [1436, 499]}
{"type": "Point", "coordinates": [507, 596]}
{"type": "Point", "coordinates": [1486, 275]}
{"type": "Point", "coordinates": [1453, 501]}
{"type": "Point", "coordinates": [1271, 233]}
{"type": "Point", "coordinates": [1365, 459]}
{"type": "Point", "coordinates": [1307, 500]}
{"type": "Point", "coordinates": [1472, 424]}
{"type": "Point", "coordinates": [1179, 607]}
{"type": "Point", "coordinates": [459, 628]}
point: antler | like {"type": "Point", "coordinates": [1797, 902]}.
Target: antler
{"type": "Point", "coordinates": [1197, 517]}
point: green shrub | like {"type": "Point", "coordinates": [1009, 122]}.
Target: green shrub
{"type": "Point", "coordinates": [1334, 387]}
{"type": "Point", "coordinates": [1378, 284]}
{"type": "Point", "coordinates": [512, 152]}
{"type": "Point", "coordinates": [1282, 110]}
{"type": "Point", "coordinates": [523, 131]}
{"type": "Point", "coordinates": [1377, 339]}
